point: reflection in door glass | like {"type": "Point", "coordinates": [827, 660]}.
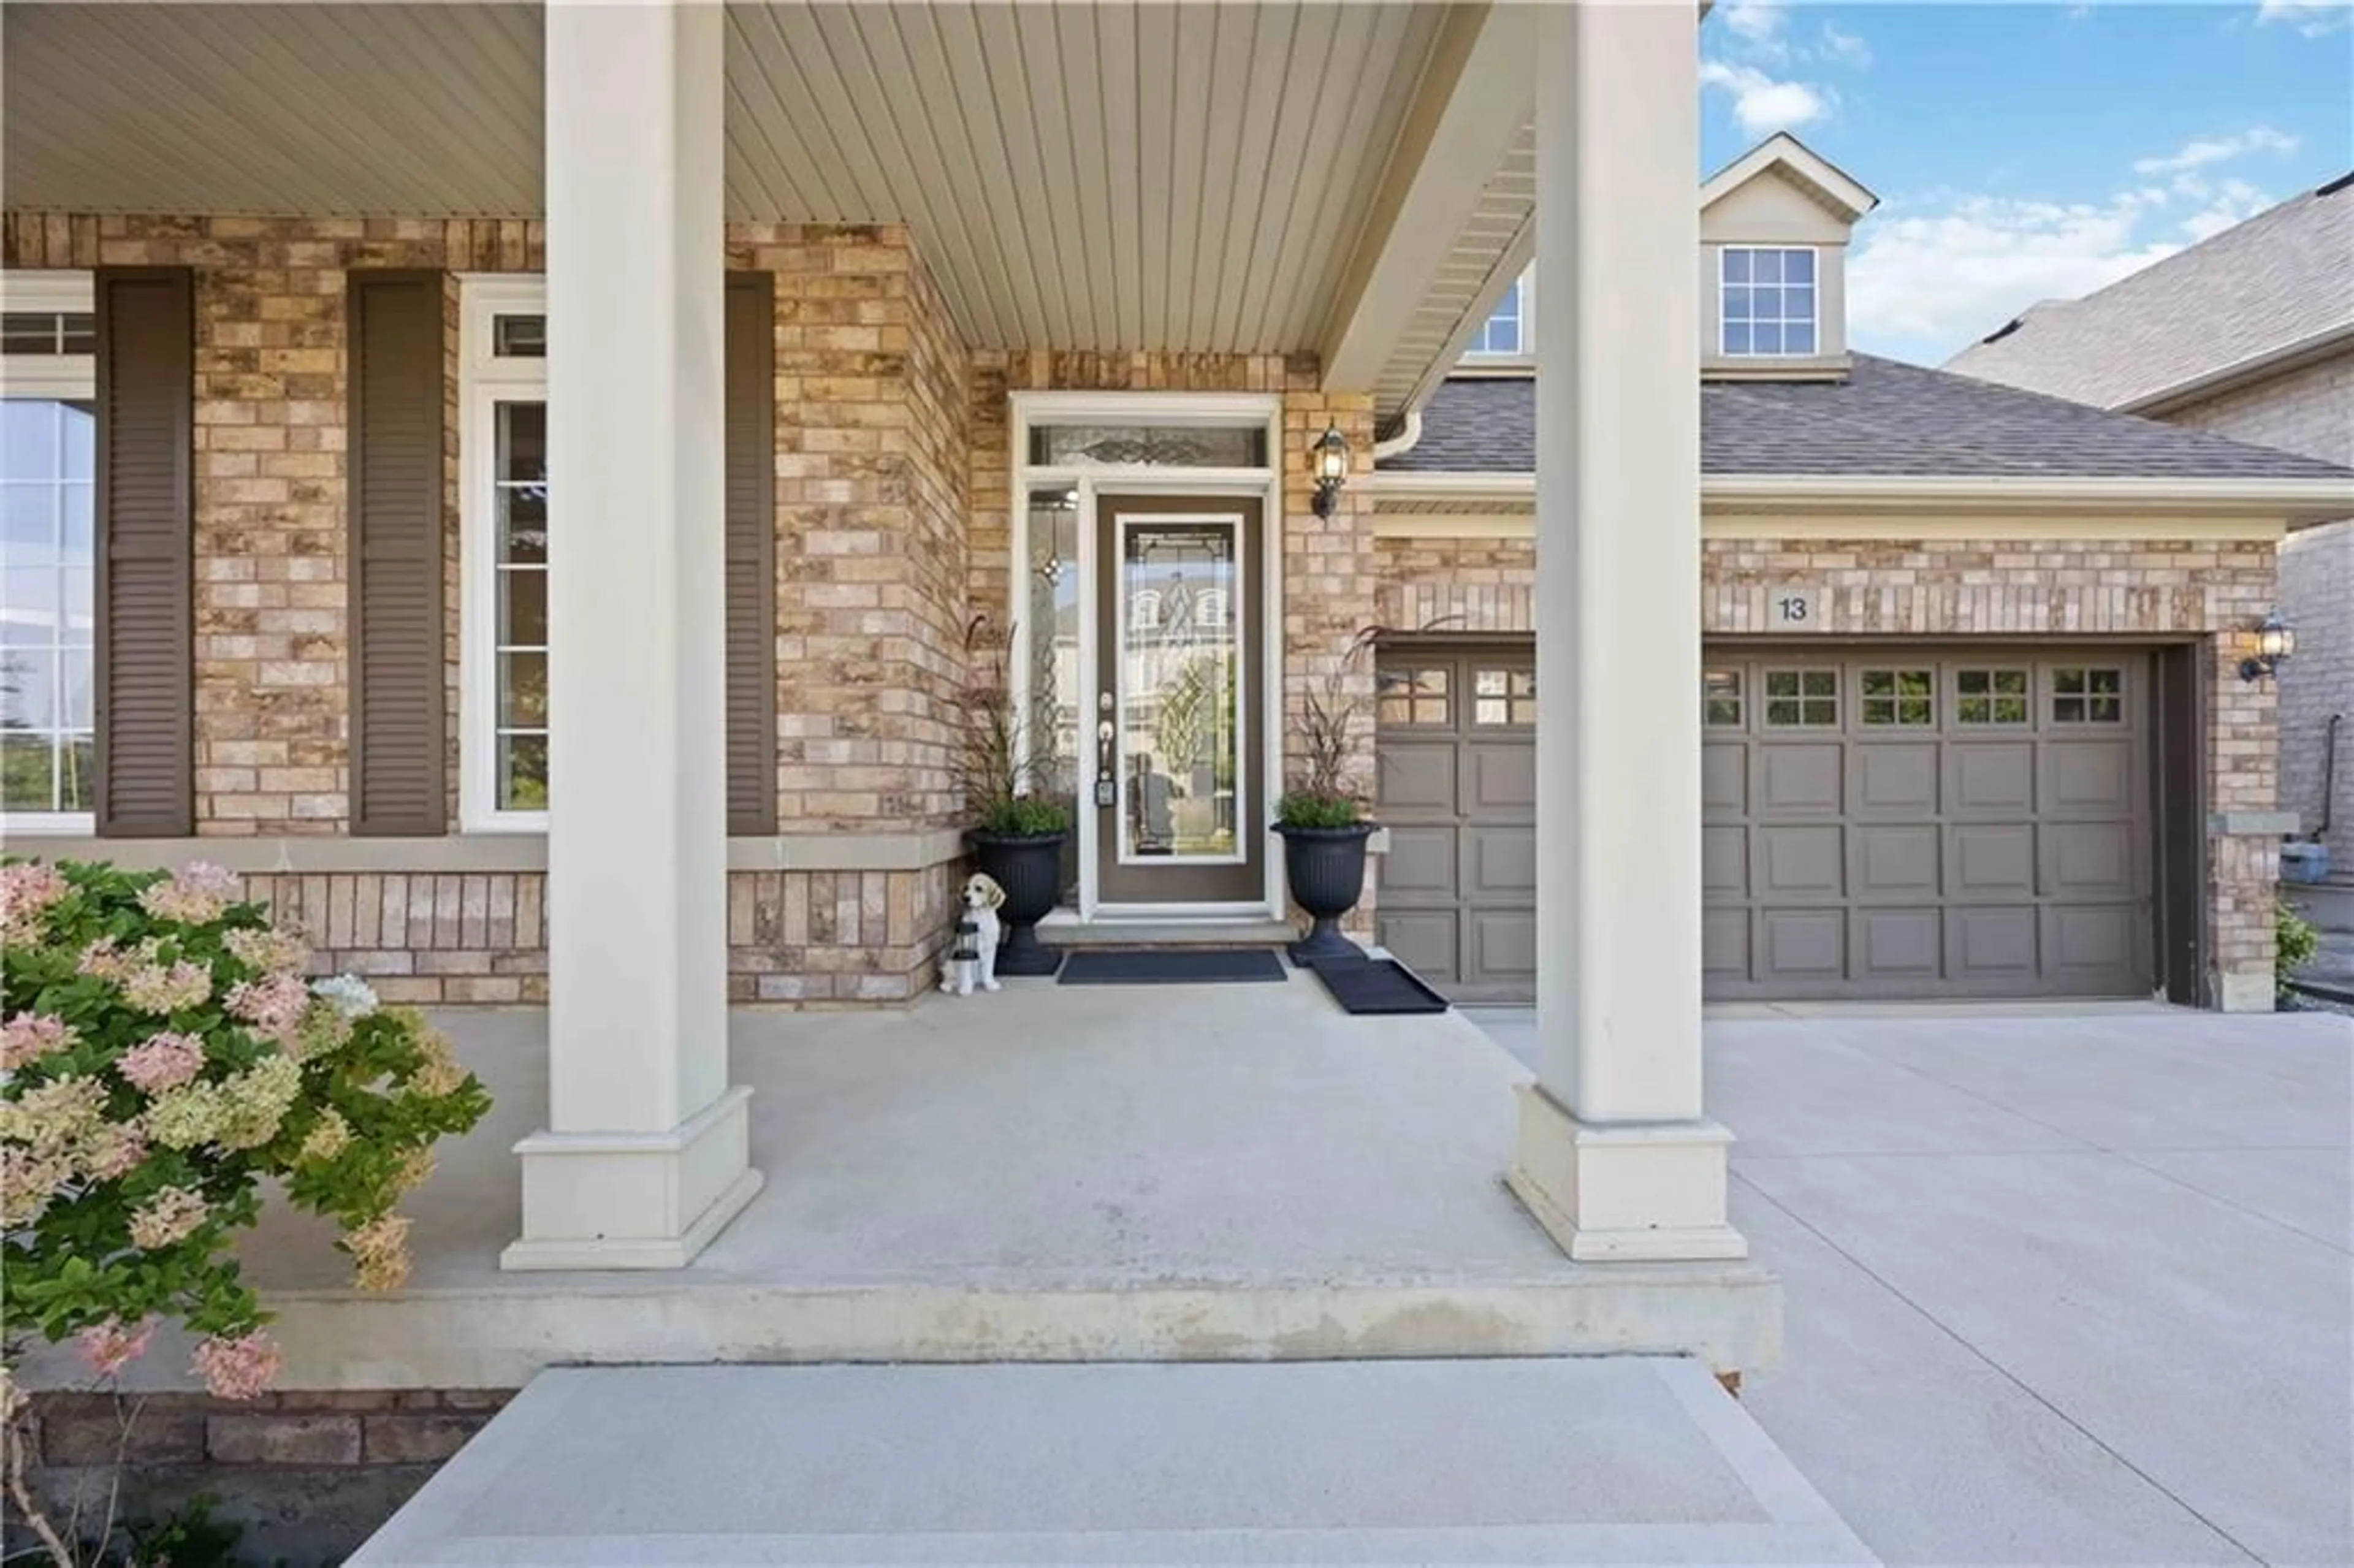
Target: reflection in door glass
{"type": "Point", "coordinates": [1181, 723]}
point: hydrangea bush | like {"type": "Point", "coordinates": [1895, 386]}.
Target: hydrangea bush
{"type": "Point", "coordinates": [160, 1054]}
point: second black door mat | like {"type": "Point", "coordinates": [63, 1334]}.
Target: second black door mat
{"type": "Point", "coordinates": [1377, 986]}
{"type": "Point", "coordinates": [1169, 966]}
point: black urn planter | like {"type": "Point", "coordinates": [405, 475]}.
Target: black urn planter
{"type": "Point", "coordinates": [1326, 868]}
{"type": "Point", "coordinates": [1030, 869]}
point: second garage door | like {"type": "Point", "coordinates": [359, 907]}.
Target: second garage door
{"type": "Point", "coordinates": [1877, 822]}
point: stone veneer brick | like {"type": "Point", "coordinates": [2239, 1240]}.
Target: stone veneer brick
{"type": "Point", "coordinates": [456, 937]}
{"type": "Point", "coordinates": [2217, 589]}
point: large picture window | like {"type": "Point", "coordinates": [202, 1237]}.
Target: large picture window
{"type": "Point", "coordinates": [49, 555]}
{"type": "Point", "coordinates": [1768, 302]}
{"type": "Point", "coordinates": [505, 520]}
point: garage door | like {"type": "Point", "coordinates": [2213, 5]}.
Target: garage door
{"type": "Point", "coordinates": [1877, 822]}
{"type": "Point", "coordinates": [1456, 896]}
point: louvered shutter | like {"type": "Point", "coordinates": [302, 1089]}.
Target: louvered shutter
{"type": "Point", "coordinates": [751, 443]}
{"type": "Point", "coordinates": [146, 597]}
{"type": "Point", "coordinates": [400, 756]}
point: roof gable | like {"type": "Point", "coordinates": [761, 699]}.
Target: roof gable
{"type": "Point", "coordinates": [1784, 156]}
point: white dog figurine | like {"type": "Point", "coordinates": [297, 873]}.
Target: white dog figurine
{"type": "Point", "coordinates": [980, 899]}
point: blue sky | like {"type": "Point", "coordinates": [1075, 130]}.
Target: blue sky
{"type": "Point", "coordinates": [2026, 151]}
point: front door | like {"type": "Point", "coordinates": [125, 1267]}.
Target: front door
{"type": "Point", "coordinates": [1179, 753]}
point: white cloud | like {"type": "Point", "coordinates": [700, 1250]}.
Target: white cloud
{"type": "Point", "coordinates": [1757, 21]}
{"type": "Point", "coordinates": [2199, 152]}
{"type": "Point", "coordinates": [1762, 104]}
{"type": "Point", "coordinates": [2311, 18]}
{"type": "Point", "coordinates": [1925, 282]}
{"type": "Point", "coordinates": [1845, 47]}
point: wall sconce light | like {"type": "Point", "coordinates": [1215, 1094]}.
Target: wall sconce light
{"type": "Point", "coordinates": [2276, 640]}
{"type": "Point", "coordinates": [1330, 457]}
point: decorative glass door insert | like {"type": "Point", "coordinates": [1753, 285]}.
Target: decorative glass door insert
{"type": "Point", "coordinates": [1178, 734]}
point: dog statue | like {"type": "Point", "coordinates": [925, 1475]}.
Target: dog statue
{"type": "Point", "coordinates": [972, 958]}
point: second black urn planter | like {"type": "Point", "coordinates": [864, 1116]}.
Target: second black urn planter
{"type": "Point", "coordinates": [1326, 869]}
{"type": "Point", "coordinates": [1030, 869]}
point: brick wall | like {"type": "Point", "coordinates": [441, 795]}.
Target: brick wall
{"type": "Point", "coordinates": [272, 578]}
{"type": "Point", "coordinates": [480, 937]}
{"type": "Point", "coordinates": [870, 494]}
{"type": "Point", "coordinates": [2308, 410]}
{"type": "Point", "coordinates": [308, 1475]}
{"type": "Point", "coordinates": [1898, 588]}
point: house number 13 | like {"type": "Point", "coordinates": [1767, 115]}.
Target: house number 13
{"type": "Point", "coordinates": [1794, 610]}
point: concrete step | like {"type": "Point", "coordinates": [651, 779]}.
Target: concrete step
{"type": "Point", "coordinates": [1625, 1460]}
{"type": "Point", "coordinates": [1171, 933]}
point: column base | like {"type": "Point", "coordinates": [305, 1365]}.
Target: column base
{"type": "Point", "coordinates": [634, 1200]}
{"type": "Point", "coordinates": [1652, 1191]}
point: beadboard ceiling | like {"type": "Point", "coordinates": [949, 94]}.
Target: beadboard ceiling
{"type": "Point", "coordinates": [1101, 175]}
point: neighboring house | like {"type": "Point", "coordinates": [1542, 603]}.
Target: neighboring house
{"type": "Point", "coordinates": [1972, 715]}
{"type": "Point", "coordinates": [514, 484]}
{"type": "Point", "coordinates": [2249, 335]}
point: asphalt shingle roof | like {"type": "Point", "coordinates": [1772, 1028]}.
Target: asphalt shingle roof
{"type": "Point", "coordinates": [1887, 419]}
{"type": "Point", "coordinates": [2284, 276]}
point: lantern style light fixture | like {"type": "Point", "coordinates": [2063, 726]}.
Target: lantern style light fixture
{"type": "Point", "coordinates": [1329, 460]}
{"type": "Point", "coordinates": [2276, 640]}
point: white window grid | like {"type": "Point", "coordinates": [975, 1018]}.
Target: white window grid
{"type": "Point", "coordinates": [48, 662]}
{"type": "Point", "coordinates": [1770, 302]}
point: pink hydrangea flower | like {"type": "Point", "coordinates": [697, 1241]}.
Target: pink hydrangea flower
{"type": "Point", "coordinates": [29, 1036]}
{"type": "Point", "coordinates": [154, 988]}
{"type": "Point", "coordinates": [267, 947]}
{"type": "Point", "coordinates": [167, 1219]}
{"type": "Point", "coordinates": [239, 1368]}
{"type": "Point", "coordinates": [25, 889]}
{"type": "Point", "coordinates": [275, 1005]}
{"type": "Point", "coordinates": [198, 892]}
{"type": "Point", "coordinates": [106, 960]}
{"type": "Point", "coordinates": [109, 1347]}
{"type": "Point", "coordinates": [162, 1062]}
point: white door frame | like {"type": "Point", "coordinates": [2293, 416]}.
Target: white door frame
{"type": "Point", "coordinates": [1227, 409]}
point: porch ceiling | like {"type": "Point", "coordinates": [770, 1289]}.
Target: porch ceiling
{"type": "Point", "coordinates": [1104, 175]}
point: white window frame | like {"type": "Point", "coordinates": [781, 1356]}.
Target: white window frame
{"type": "Point", "coordinates": [487, 379]}
{"type": "Point", "coordinates": [1725, 255]}
{"type": "Point", "coordinates": [1526, 355]}
{"type": "Point", "coordinates": [50, 378]}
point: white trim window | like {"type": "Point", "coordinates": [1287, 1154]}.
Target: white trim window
{"type": "Point", "coordinates": [49, 554]}
{"type": "Point", "coordinates": [502, 443]}
{"type": "Point", "coordinates": [1768, 302]}
{"type": "Point", "coordinates": [1510, 332]}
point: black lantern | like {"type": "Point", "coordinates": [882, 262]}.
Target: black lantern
{"type": "Point", "coordinates": [1329, 456]}
{"type": "Point", "coordinates": [2276, 640]}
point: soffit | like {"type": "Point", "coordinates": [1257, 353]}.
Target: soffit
{"type": "Point", "coordinates": [1102, 176]}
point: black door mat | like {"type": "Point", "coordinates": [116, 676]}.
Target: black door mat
{"type": "Point", "coordinates": [1371, 986]}
{"type": "Point", "coordinates": [1169, 966]}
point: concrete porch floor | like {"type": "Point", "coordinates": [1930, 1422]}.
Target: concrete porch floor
{"type": "Point", "coordinates": [1195, 1172]}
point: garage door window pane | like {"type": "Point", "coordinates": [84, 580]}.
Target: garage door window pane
{"type": "Point", "coordinates": [1904, 697]}
{"type": "Point", "coordinates": [1719, 697]}
{"type": "Point", "coordinates": [1802, 699]}
{"type": "Point", "coordinates": [2088, 694]}
{"type": "Point", "coordinates": [1990, 696]}
{"type": "Point", "coordinates": [1504, 696]}
{"type": "Point", "coordinates": [1412, 695]}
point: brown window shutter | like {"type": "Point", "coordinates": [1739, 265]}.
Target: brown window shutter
{"type": "Point", "coordinates": [146, 594]}
{"type": "Point", "coordinates": [751, 443]}
{"type": "Point", "coordinates": [393, 513]}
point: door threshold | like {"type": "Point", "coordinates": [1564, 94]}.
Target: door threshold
{"type": "Point", "coordinates": [1128, 929]}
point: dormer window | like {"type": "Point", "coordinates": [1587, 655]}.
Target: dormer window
{"type": "Point", "coordinates": [1768, 296]}
{"type": "Point", "coordinates": [1508, 333]}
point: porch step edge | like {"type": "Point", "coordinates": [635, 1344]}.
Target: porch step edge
{"type": "Point", "coordinates": [1170, 934]}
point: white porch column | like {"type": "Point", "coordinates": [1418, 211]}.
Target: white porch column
{"type": "Point", "coordinates": [1615, 1159]}
{"type": "Point", "coordinates": [644, 1159]}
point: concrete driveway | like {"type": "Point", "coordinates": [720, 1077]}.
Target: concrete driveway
{"type": "Point", "coordinates": [2065, 1285]}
